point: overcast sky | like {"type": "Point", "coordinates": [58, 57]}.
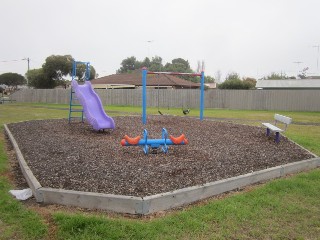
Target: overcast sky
{"type": "Point", "coordinates": [250, 37]}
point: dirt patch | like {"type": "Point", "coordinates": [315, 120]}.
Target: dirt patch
{"type": "Point", "coordinates": [75, 157]}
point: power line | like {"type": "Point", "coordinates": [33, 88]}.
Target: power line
{"type": "Point", "coordinates": [14, 60]}
{"type": "Point", "coordinates": [18, 60]}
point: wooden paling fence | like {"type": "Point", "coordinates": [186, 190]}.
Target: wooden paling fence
{"type": "Point", "coordinates": [290, 100]}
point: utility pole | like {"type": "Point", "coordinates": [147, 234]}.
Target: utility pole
{"type": "Point", "coordinates": [28, 60]}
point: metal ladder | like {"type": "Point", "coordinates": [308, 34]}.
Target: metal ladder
{"type": "Point", "coordinates": [74, 107]}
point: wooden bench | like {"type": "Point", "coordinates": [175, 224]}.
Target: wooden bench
{"type": "Point", "coordinates": [274, 128]}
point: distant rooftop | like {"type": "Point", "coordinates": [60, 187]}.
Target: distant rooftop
{"type": "Point", "coordinates": [289, 84]}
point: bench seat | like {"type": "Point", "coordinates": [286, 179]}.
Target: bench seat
{"type": "Point", "coordinates": [278, 119]}
{"type": "Point", "coordinates": [272, 127]}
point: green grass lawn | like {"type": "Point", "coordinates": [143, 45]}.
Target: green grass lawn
{"type": "Point", "coordinates": [281, 209]}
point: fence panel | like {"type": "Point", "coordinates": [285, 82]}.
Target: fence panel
{"type": "Point", "coordinates": [290, 100]}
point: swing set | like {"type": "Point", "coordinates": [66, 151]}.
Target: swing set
{"type": "Point", "coordinates": [185, 110]}
{"type": "Point", "coordinates": [145, 72]}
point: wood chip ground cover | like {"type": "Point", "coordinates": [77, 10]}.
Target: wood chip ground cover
{"type": "Point", "coordinates": [75, 157]}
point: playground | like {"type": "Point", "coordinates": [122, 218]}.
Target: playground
{"type": "Point", "coordinates": [110, 171]}
{"type": "Point", "coordinates": [80, 158]}
{"type": "Point", "coordinates": [293, 199]}
{"type": "Point", "coordinates": [101, 155]}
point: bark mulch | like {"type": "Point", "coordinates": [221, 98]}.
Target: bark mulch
{"type": "Point", "coordinates": [75, 157]}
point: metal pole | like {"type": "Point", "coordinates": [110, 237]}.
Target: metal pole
{"type": "Point", "coordinates": [144, 95]}
{"type": "Point", "coordinates": [202, 96]}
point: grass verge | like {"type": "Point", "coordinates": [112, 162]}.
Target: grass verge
{"type": "Point", "coordinates": [285, 208]}
{"type": "Point", "coordinates": [281, 209]}
{"type": "Point", "coordinates": [16, 222]}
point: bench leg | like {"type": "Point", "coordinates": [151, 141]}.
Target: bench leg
{"type": "Point", "coordinates": [268, 132]}
{"type": "Point", "coordinates": [277, 137]}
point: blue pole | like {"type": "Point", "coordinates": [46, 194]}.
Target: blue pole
{"type": "Point", "coordinates": [144, 96]}
{"type": "Point", "coordinates": [202, 96]}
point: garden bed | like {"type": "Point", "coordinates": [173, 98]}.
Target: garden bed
{"type": "Point", "coordinates": [75, 157]}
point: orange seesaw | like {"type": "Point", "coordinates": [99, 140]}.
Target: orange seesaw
{"type": "Point", "coordinates": [154, 143]}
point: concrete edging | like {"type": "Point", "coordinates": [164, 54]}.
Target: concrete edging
{"type": "Point", "coordinates": [115, 203]}
{"type": "Point", "coordinates": [26, 171]}
{"type": "Point", "coordinates": [159, 202]}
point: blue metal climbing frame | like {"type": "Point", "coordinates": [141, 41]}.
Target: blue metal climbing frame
{"type": "Point", "coordinates": [75, 107]}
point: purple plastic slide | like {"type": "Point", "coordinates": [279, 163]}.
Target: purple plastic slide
{"type": "Point", "coordinates": [92, 106]}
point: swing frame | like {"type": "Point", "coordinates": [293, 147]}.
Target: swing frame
{"type": "Point", "coordinates": [145, 72]}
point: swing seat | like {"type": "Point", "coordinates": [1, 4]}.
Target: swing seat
{"type": "Point", "coordinates": [186, 111]}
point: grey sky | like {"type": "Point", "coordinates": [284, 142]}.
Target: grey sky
{"type": "Point", "coordinates": [250, 37]}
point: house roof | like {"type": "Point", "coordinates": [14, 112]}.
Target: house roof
{"type": "Point", "coordinates": [289, 84]}
{"type": "Point", "coordinates": [152, 80]}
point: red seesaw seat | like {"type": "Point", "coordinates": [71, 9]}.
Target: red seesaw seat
{"type": "Point", "coordinates": [131, 141]}
{"type": "Point", "coordinates": [179, 140]}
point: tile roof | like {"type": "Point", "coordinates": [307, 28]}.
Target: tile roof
{"type": "Point", "coordinates": [152, 80]}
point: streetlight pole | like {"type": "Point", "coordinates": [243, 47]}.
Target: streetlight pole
{"type": "Point", "coordinates": [149, 41]}
{"type": "Point", "coordinates": [28, 60]}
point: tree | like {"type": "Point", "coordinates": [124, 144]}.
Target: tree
{"type": "Point", "coordinates": [12, 80]}
{"type": "Point", "coordinates": [128, 65]}
{"type": "Point", "coordinates": [250, 83]}
{"type": "Point", "coordinates": [56, 66]}
{"type": "Point", "coordinates": [182, 66]}
{"type": "Point", "coordinates": [209, 79]}
{"type": "Point", "coordinates": [275, 76]}
{"type": "Point", "coordinates": [52, 73]}
{"type": "Point", "coordinates": [303, 73]}
{"type": "Point", "coordinates": [178, 65]}
{"type": "Point", "coordinates": [146, 63]}
{"type": "Point", "coordinates": [156, 64]}
{"type": "Point", "coordinates": [38, 79]}
{"type": "Point", "coordinates": [233, 81]}
{"type": "Point", "coordinates": [81, 72]}
{"type": "Point", "coordinates": [55, 70]}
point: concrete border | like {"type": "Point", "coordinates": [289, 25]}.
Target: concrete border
{"type": "Point", "coordinates": [159, 202]}
{"type": "Point", "coordinates": [26, 171]}
{"type": "Point", "coordinates": [111, 202]}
